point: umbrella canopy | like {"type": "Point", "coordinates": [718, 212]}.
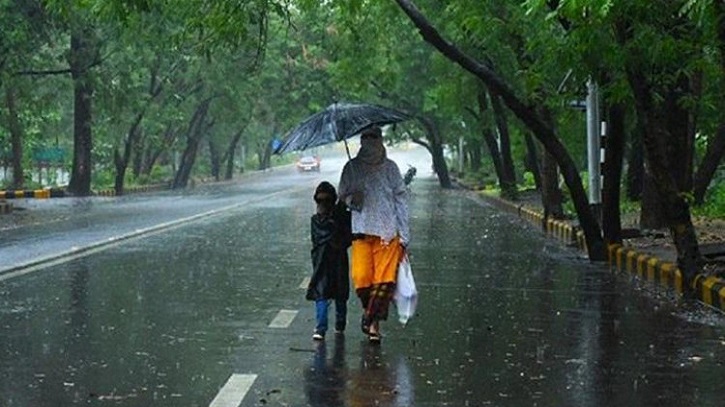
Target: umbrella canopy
{"type": "Point", "coordinates": [338, 122]}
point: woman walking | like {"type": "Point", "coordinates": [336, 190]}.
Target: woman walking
{"type": "Point", "coordinates": [372, 187]}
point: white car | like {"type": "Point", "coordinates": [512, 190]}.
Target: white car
{"type": "Point", "coordinates": [308, 163]}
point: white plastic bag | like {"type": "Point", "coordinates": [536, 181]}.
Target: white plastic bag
{"type": "Point", "coordinates": [406, 294]}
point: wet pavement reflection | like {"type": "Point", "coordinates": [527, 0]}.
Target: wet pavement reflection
{"type": "Point", "coordinates": [505, 318]}
{"type": "Point", "coordinates": [325, 379]}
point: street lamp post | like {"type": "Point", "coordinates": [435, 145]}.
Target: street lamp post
{"type": "Point", "coordinates": [594, 148]}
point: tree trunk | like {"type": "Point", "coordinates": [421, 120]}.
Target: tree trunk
{"type": "Point", "coordinates": [508, 182]}
{"type": "Point", "coordinates": [710, 162]}
{"type": "Point", "coordinates": [243, 156]}
{"type": "Point", "coordinates": [651, 214]}
{"type": "Point", "coordinates": [139, 158]}
{"type": "Point", "coordinates": [474, 152]}
{"type": "Point", "coordinates": [436, 150]}
{"type": "Point", "coordinates": [532, 160]}
{"type": "Point", "coordinates": [676, 208]}
{"type": "Point", "coordinates": [613, 158]}
{"type": "Point", "coordinates": [16, 138]}
{"type": "Point", "coordinates": [121, 160]}
{"type": "Point", "coordinates": [82, 53]}
{"type": "Point", "coordinates": [527, 114]}
{"type": "Point", "coordinates": [215, 159]}
{"type": "Point", "coordinates": [489, 138]}
{"type": "Point", "coordinates": [679, 125]}
{"type": "Point", "coordinates": [195, 132]}
{"type": "Point", "coordinates": [152, 156]}
{"type": "Point", "coordinates": [677, 146]}
{"type": "Point", "coordinates": [635, 167]}
{"type": "Point", "coordinates": [264, 152]}
{"type": "Point", "coordinates": [231, 152]}
{"type": "Point", "coordinates": [80, 180]}
{"type": "Point", "coordinates": [551, 196]}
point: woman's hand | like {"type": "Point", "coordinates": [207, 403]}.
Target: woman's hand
{"type": "Point", "coordinates": [356, 200]}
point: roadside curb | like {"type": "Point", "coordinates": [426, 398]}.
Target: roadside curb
{"type": "Point", "coordinates": [645, 266]}
{"type": "Point", "coordinates": [709, 290]}
{"type": "Point", "coordinates": [32, 193]}
{"type": "Point", "coordinates": [60, 193]}
{"type": "Point", "coordinates": [561, 230]}
{"type": "Point", "coordinates": [134, 190]}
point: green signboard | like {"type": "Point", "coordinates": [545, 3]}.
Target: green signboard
{"type": "Point", "coordinates": [49, 155]}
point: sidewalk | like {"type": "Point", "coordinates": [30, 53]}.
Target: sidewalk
{"type": "Point", "coordinates": [650, 258]}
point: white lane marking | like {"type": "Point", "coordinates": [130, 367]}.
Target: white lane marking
{"type": "Point", "coordinates": [305, 282]}
{"type": "Point", "coordinates": [75, 252]}
{"type": "Point", "coordinates": [283, 319]}
{"type": "Point", "coordinates": [234, 390]}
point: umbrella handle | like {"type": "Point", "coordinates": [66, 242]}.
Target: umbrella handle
{"type": "Point", "coordinates": [347, 149]}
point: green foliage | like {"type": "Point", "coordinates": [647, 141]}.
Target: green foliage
{"type": "Point", "coordinates": [714, 205]}
{"type": "Point", "coordinates": [102, 179]}
{"type": "Point", "coordinates": [628, 207]}
{"type": "Point", "coordinates": [529, 181]}
{"type": "Point", "coordinates": [484, 178]}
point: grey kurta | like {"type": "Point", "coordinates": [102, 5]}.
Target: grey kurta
{"type": "Point", "coordinates": [384, 210]}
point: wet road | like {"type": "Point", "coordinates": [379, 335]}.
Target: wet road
{"type": "Point", "coordinates": [506, 318]}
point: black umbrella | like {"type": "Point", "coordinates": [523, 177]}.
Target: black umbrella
{"type": "Point", "coordinates": [338, 122]}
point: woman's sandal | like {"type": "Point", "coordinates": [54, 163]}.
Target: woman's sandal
{"type": "Point", "coordinates": [375, 337]}
{"type": "Point", "coordinates": [365, 325]}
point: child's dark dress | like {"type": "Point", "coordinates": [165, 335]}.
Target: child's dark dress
{"type": "Point", "coordinates": [331, 236]}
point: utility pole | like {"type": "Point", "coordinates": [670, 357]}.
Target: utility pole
{"type": "Point", "coordinates": [594, 149]}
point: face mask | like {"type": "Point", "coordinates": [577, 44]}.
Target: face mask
{"type": "Point", "coordinates": [325, 206]}
{"type": "Point", "coordinates": [372, 150]}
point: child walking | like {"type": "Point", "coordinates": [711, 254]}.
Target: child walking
{"type": "Point", "coordinates": [331, 236]}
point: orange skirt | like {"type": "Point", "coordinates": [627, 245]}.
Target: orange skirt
{"type": "Point", "coordinates": [374, 262]}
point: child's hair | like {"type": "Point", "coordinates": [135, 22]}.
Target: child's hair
{"type": "Point", "coordinates": [325, 188]}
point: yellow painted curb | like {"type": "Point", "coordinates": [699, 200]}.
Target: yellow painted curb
{"type": "Point", "coordinates": [710, 290]}
{"type": "Point", "coordinates": [19, 194]}
{"type": "Point", "coordinates": [642, 265]}
{"type": "Point", "coordinates": [652, 273]}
